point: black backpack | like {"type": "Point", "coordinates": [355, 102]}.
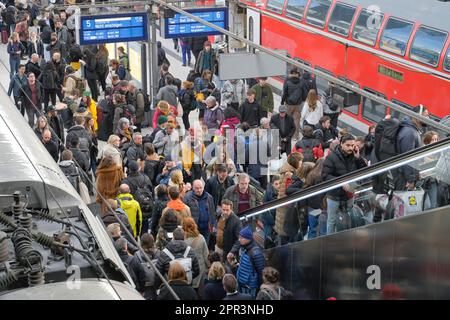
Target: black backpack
{"type": "Point", "coordinates": [386, 133]}
{"type": "Point", "coordinates": [149, 271]}
{"type": "Point", "coordinates": [307, 149]}
{"type": "Point", "coordinates": [46, 35]}
{"type": "Point", "coordinates": [9, 15]}
{"type": "Point", "coordinates": [48, 78]}
{"type": "Point", "coordinates": [147, 102]}
{"type": "Point", "coordinates": [144, 196]}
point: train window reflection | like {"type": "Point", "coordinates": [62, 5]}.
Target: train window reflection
{"type": "Point", "coordinates": [367, 27]}
{"type": "Point", "coordinates": [341, 19]}
{"type": "Point", "coordinates": [296, 8]}
{"type": "Point", "coordinates": [317, 12]}
{"type": "Point", "coordinates": [275, 5]}
{"type": "Point", "coordinates": [395, 36]}
{"type": "Point", "coordinates": [447, 60]}
{"type": "Point", "coordinates": [396, 114]}
{"type": "Point", "coordinates": [372, 110]}
{"type": "Point", "coordinates": [427, 46]}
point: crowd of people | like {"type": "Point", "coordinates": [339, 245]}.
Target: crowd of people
{"type": "Point", "coordinates": [180, 189]}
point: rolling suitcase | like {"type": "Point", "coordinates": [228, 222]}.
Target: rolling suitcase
{"type": "Point", "coordinates": [4, 36]}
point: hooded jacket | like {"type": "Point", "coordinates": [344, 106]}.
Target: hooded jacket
{"type": "Point", "coordinates": [182, 210]}
{"type": "Point", "coordinates": [264, 97]}
{"type": "Point", "coordinates": [408, 138]}
{"type": "Point", "coordinates": [133, 211]}
{"type": "Point", "coordinates": [233, 92]}
{"type": "Point", "coordinates": [293, 91]}
{"type": "Point", "coordinates": [81, 133]}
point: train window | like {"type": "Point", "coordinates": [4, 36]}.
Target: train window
{"type": "Point", "coordinates": [296, 8]}
{"type": "Point", "coordinates": [367, 27]}
{"type": "Point", "coordinates": [396, 35]}
{"type": "Point", "coordinates": [275, 5]}
{"type": "Point", "coordinates": [447, 60]}
{"type": "Point", "coordinates": [353, 108]}
{"type": "Point", "coordinates": [427, 46]}
{"type": "Point", "coordinates": [372, 110]}
{"type": "Point", "coordinates": [341, 19]}
{"type": "Point", "coordinates": [317, 12]}
{"type": "Point", "coordinates": [396, 114]}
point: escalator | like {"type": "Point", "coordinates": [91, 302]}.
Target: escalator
{"type": "Point", "coordinates": [406, 257]}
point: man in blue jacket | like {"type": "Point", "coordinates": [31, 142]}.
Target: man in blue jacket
{"type": "Point", "coordinates": [251, 264]}
{"type": "Point", "coordinates": [202, 208]}
{"type": "Point", "coordinates": [18, 81]}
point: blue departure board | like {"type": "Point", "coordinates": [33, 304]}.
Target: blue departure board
{"type": "Point", "coordinates": [182, 26]}
{"type": "Point", "coordinates": [113, 28]}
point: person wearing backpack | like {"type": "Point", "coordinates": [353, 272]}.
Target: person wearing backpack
{"type": "Point", "coordinates": [102, 65]}
{"type": "Point", "coordinates": [141, 103]}
{"type": "Point", "coordinates": [309, 146]}
{"type": "Point", "coordinates": [140, 187]}
{"type": "Point", "coordinates": [251, 262]}
{"type": "Point", "coordinates": [178, 250]}
{"type": "Point", "coordinates": [131, 208]}
{"type": "Point", "coordinates": [293, 95]}
{"type": "Point", "coordinates": [325, 132]}
{"type": "Point", "coordinates": [187, 101]}
{"type": "Point", "coordinates": [134, 267]}
{"type": "Point", "coordinates": [169, 92]}
{"type": "Point", "coordinates": [48, 79]}
{"type": "Point", "coordinates": [90, 72]}
{"type": "Point", "coordinates": [69, 168]}
{"type": "Point", "coordinates": [407, 139]}
{"type": "Point", "coordinates": [152, 253]}
{"type": "Point", "coordinates": [271, 288]}
{"type": "Point", "coordinates": [344, 159]}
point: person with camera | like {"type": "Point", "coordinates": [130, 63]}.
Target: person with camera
{"type": "Point", "coordinates": [344, 159]}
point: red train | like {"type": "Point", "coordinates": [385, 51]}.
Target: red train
{"type": "Point", "coordinates": [398, 49]}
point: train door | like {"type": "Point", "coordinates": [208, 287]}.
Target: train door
{"type": "Point", "coordinates": [253, 26]}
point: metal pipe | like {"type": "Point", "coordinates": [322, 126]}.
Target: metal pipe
{"type": "Point", "coordinates": [318, 73]}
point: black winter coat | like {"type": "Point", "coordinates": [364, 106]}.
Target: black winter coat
{"type": "Point", "coordinates": [231, 234]}
{"type": "Point", "coordinates": [181, 288]}
{"type": "Point", "coordinates": [81, 133]}
{"type": "Point", "coordinates": [56, 123]}
{"type": "Point", "coordinates": [81, 158]}
{"type": "Point", "coordinates": [158, 207]}
{"type": "Point", "coordinates": [214, 290]}
{"type": "Point", "coordinates": [338, 164]}
{"type": "Point", "coordinates": [135, 152]}
{"type": "Point", "coordinates": [250, 113]}
{"type": "Point", "coordinates": [325, 136]}
{"type": "Point", "coordinates": [217, 189]}
{"type": "Point", "coordinates": [294, 91]}
{"type": "Point", "coordinates": [49, 77]}
{"type": "Point", "coordinates": [289, 128]}
{"type": "Point", "coordinates": [90, 68]}
{"type": "Point", "coordinates": [32, 49]}
{"type": "Point", "coordinates": [135, 269]}
{"type": "Point", "coordinates": [52, 148]}
{"type": "Point", "coordinates": [137, 179]}
{"type": "Point", "coordinates": [33, 67]}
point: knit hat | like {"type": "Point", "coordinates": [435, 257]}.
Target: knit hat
{"type": "Point", "coordinates": [246, 233]}
{"type": "Point", "coordinates": [162, 119]}
{"type": "Point", "coordinates": [86, 94]}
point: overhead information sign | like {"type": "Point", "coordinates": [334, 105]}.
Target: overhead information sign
{"type": "Point", "coordinates": [182, 26]}
{"type": "Point", "coordinates": [113, 28]}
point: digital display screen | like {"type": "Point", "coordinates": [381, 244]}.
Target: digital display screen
{"type": "Point", "coordinates": [113, 28]}
{"type": "Point", "coordinates": [182, 26]}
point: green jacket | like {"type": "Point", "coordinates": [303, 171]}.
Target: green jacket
{"type": "Point", "coordinates": [232, 194]}
{"type": "Point", "coordinates": [264, 96]}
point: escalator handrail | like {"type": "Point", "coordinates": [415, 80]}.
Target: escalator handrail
{"type": "Point", "coordinates": [363, 173]}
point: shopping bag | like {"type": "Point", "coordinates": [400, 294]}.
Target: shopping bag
{"type": "Point", "coordinates": [84, 192]}
{"type": "Point", "coordinates": [413, 200]}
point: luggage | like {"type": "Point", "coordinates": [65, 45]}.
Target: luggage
{"type": "Point", "coordinates": [4, 36]}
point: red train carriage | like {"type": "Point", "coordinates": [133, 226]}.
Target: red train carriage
{"type": "Point", "coordinates": [397, 49]}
